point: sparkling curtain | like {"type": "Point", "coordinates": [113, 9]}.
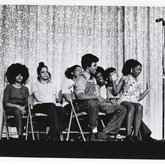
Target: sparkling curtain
{"type": "Point", "coordinates": [60, 35]}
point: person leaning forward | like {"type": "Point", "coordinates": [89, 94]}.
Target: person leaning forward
{"type": "Point", "coordinates": [87, 94]}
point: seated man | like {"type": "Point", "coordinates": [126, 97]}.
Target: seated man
{"type": "Point", "coordinates": [87, 93]}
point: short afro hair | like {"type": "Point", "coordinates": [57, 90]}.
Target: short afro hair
{"type": "Point", "coordinates": [16, 69]}
{"type": "Point", "coordinates": [87, 60]}
{"type": "Point", "coordinates": [128, 65]}
{"type": "Point", "coordinates": [108, 71]}
{"type": "Point", "coordinates": [100, 70]}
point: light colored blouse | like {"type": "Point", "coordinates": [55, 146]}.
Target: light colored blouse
{"type": "Point", "coordinates": [46, 91]}
{"type": "Point", "coordinates": [67, 86]}
{"type": "Point", "coordinates": [131, 90]}
{"type": "Point", "coordinates": [103, 91]}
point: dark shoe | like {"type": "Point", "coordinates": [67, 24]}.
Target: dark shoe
{"type": "Point", "coordinates": [55, 138]}
{"type": "Point", "coordinates": [48, 138]}
{"type": "Point", "coordinates": [103, 136]}
{"type": "Point", "coordinates": [94, 137]}
{"type": "Point", "coordinates": [128, 139]}
{"type": "Point", "coordinates": [136, 139]}
{"type": "Point", "coordinates": [21, 137]}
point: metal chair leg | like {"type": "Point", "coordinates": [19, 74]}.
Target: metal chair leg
{"type": "Point", "coordinates": [32, 131]}
{"type": "Point", "coordinates": [70, 122]}
{"type": "Point", "coordinates": [6, 125]}
{"type": "Point", "coordinates": [102, 123]}
{"type": "Point", "coordinates": [7, 131]}
{"type": "Point", "coordinates": [79, 126]}
{"type": "Point", "coordinates": [27, 127]}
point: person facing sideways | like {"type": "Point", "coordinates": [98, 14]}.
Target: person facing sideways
{"type": "Point", "coordinates": [71, 74]}
{"type": "Point", "coordinates": [85, 91]}
{"type": "Point", "coordinates": [117, 111]}
{"type": "Point", "coordinates": [15, 98]}
{"type": "Point", "coordinates": [131, 94]}
{"type": "Point", "coordinates": [87, 95]}
{"type": "Point", "coordinates": [109, 73]}
{"type": "Point", "coordinates": [44, 92]}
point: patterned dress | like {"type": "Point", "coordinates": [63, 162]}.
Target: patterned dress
{"type": "Point", "coordinates": [131, 90]}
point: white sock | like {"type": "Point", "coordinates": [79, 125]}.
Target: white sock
{"type": "Point", "coordinates": [94, 130]}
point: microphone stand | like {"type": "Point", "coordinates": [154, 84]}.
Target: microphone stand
{"type": "Point", "coordinates": [163, 76]}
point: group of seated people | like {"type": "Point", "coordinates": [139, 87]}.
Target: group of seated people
{"type": "Point", "coordinates": [94, 90]}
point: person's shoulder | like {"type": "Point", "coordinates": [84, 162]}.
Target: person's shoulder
{"type": "Point", "coordinates": [68, 81]}
{"type": "Point", "coordinates": [8, 86]}
{"type": "Point", "coordinates": [81, 77]}
{"type": "Point", "coordinates": [25, 87]}
{"type": "Point", "coordinates": [124, 77]}
{"type": "Point", "coordinates": [35, 82]}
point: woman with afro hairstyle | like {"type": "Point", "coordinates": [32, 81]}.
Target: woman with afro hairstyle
{"type": "Point", "coordinates": [15, 98]}
{"type": "Point", "coordinates": [131, 94]}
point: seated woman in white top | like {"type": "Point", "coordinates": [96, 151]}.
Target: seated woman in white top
{"type": "Point", "coordinates": [71, 75]}
{"type": "Point", "coordinates": [44, 92]}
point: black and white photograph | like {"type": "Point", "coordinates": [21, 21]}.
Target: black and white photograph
{"type": "Point", "coordinates": [82, 80]}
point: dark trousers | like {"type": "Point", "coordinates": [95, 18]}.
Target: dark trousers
{"type": "Point", "coordinates": [91, 107]}
{"type": "Point", "coordinates": [53, 116]}
{"type": "Point", "coordinates": [118, 113]}
{"type": "Point", "coordinates": [17, 118]}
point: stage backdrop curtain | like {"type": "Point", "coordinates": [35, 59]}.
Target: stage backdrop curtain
{"type": "Point", "coordinates": [60, 35]}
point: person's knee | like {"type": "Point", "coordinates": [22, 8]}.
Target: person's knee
{"type": "Point", "coordinates": [17, 112]}
{"type": "Point", "coordinates": [131, 112]}
{"type": "Point", "coordinates": [140, 108]}
{"type": "Point", "coordinates": [130, 108]}
{"type": "Point", "coordinates": [93, 104]}
{"type": "Point", "coordinates": [52, 106]}
{"type": "Point", "coordinates": [123, 110]}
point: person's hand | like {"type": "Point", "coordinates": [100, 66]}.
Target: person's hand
{"type": "Point", "coordinates": [147, 87]}
{"type": "Point", "coordinates": [114, 76]}
{"type": "Point", "coordinates": [23, 112]}
{"type": "Point", "coordinates": [22, 109]}
{"type": "Point", "coordinates": [101, 100]}
{"type": "Point", "coordinates": [71, 88]}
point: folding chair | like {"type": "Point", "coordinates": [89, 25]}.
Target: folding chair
{"type": "Point", "coordinates": [6, 124]}
{"type": "Point", "coordinates": [101, 115]}
{"type": "Point", "coordinates": [30, 120]}
{"type": "Point", "coordinates": [76, 116]}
